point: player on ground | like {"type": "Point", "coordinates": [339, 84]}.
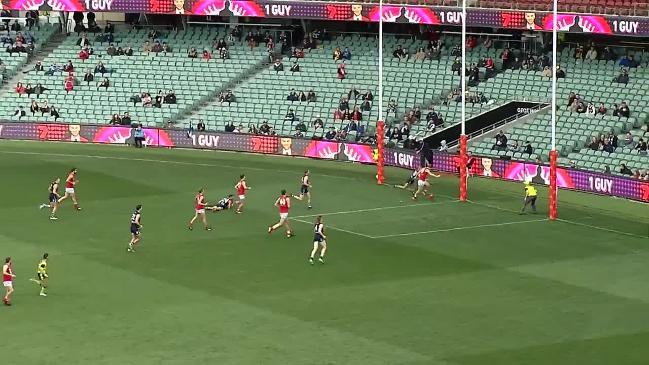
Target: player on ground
{"type": "Point", "coordinates": [70, 183]}
{"type": "Point", "coordinates": [319, 241]}
{"type": "Point", "coordinates": [305, 189]}
{"type": "Point", "coordinates": [8, 280]}
{"type": "Point", "coordinates": [53, 199]}
{"type": "Point", "coordinates": [422, 182]}
{"type": "Point", "coordinates": [411, 180]}
{"type": "Point", "coordinates": [136, 225]}
{"type": "Point", "coordinates": [199, 211]}
{"type": "Point", "coordinates": [241, 192]}
{"type": "Point", "coordinates": [41, 275]}
{"type": "Point", "coordinates": [223, 204]}
{"type": "Point", "coordinates": [530, 197]}
{"type": "Point", "coordinates": [283, 203]}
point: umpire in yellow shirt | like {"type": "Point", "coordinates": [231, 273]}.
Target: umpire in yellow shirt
{"type": "Point", "coordinates": [530, 197]}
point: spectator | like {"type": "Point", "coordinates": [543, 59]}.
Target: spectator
{"type": "Point", "coordinates": [343, 104]}
{"type": "Point", "coordinates": [624, 110]}
{"type": "Point", "coordinates": [615, 110]}
{"type": "Point", "coordinates": [39, 89]}
{"type": "Point", "coordinates": [346, 55]}
{"type": "Point", "coordinates": [207, 56]}
{"type": "Point", "coordinates": [128, 51]}
{"type": "Point", "coordinates": [628, 62]}
{"type": "Point", "coordinates": [594, 143]}
{"type": "Point", "coordinates": [506, 58]}
{"type": "Point", "coordinates": [487, 43]}
{"type": "Point", "coordinates": [300, 127]}
{"type": "Point", "coordinates": [331, 134]}
{"type": "Point", "coordinates": [356, 115]}
{"type": "Point", "coordinates": [290, 115]}
{"type": "Point", "coordinates": [200, 126]}
{"type": "Point", "coordinates": [54, 112]}
{"type": "Point", "coordinates": [239, 128]}
{"type": "Point", "coordinates": [641, 146]}
{"type": "Point", "coordinates": [147, 100]}
{"type": "Point", "coordinates": [100, 68]}
{"type": "Point", "coordinates": [224, 54]}
{"type": "Point", "coordinates": [33, 107]}
{"type": "Point", "coordinates": [528, 148]}
{"type": "Point", "coordinates": [111, 50]}
{"type": "Point", "coordinates": [581, 107]}
{"type": "Point", "coordinates": [153, 34]}
{"type": "Point", "coordinates": [342, 72]}
{"type": "Point", "coordinates": [68, 84]}
{"type": "Point", "coordinates": [310, 96]}
{"type": "Point", "coordinates": [501, 142]}
{"type": "Point", "coordinates": [251, 129]}
{"type": "Point", "coordinates": [392, 107]}
{"type": "Point", "coordinates": [84, 54]}
{"type": "Point", "coordinates": [400, 53]}
{"type": "Point", "coordinates": [115, 120]}
{"type": "Point", "coordinates": [622, 78]}
{"type": "Point", "coordinates": [353, 93]}
{"type": "Point", "coordinates": [297, 53]}
{"type": "Point", "coordinates": [628, 139]}
{"type": "Point", "coordinates": [292, 96]}
{"type": "Point", "coordinates": [278, 66]}
{"type": "Point", "coordinates": [295, 67]}
{"type": "Point", "coordinates": [137, 98]}
{"type": "Point", "coordinates": [608, 54]}
{"type": "Point", "coordinates": [170, 97]}
{"type": "Point", "coordinates": [471, 42]}
{"type": "Point", "coordinates": [230, 127]}
{"type": "Point", "coordinates": [192, 53]}
{"type": "Point", "coordinates": [456, 67]}
{"type": "Point", "coordinates": [38, 66]}
{"type": "Point", "coordinates": [579, 52]}
{"type": "Point", "coordinates": [337, 54]}
{"type": "Point", "coordinates": [607, 170]}
{"type": "Point", "coordinates": [443, 146]}
{"type": "Point", "coordinates": [126, 119]}
{"type": "Point", "coordinates": [20, 89]}
{"type": "Point", "coordinates": [264, 128]}
{"type": "Point", "coordinates": [157, 47]}
{"type": "Point", "coordinates": [590, 109]}
{"type": "Point", "coordinates": [20, 112]}
{"type": "Point", "coordinates": [607, 146]}
{"type": "Point", "coordinates": [166, 48]}
{"type": "Point", "coordinates": [68, 67]}
{"type": "Point", "coordinates": [110, 28]}
{"type": "Point", "coordinates": [147, 47]}
{"type": "Point", "coordinates": [420, 55]}
{"type": "Point", "coordinates": [83, 41]}
{"type": "Point", "coordinates": [105, 83]}
{"type": "Point", "coordinates": [591, 54]}
{"type": "Point", "coordinates": [547, 72]}
{"type": "Point", "coordinates": [302, 96]}
{"type": "Point", "coordinates": [601, 110]}
{"type": "Point", "coordinates": [394, 134]}
{"type": "Point", "coordinates": [624, 170]}
{"type": "Point", "coordinates": [159, 99]}
{"type": "Point", "coordinates": [561, 74]}
{"type": "Point", "coordinates": [514, 147]}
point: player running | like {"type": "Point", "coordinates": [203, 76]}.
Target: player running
{"type": "Point", "coordinates": [305, 189]}
{"type": "Point", "coordinates": [199, 211]}
{"type": "Point", "coordinates": [241, 192]}
{"type": "Point", "coordinates": [530, 197]}
{"type": "Point", "coordinates": [53, 199]}
{"type": "Point", "coordinates": [422, 182]}
{"type": "Point", "coordinates": [319, 241]}
{"type": "Point", "coordinates": [41, 275]}
{"type": "Point", "coordinates": [223, 204]}
{"type": "Point", "coordinates": [411, 180]}
{"type": "Point", "coordinates": [136, 225]}
{"type": "Point", "coordinates": [283, 203]}
{"type": "Point", "coordinates": [7, 280]}
{"type": "Point", "coordinates": [70, 183]}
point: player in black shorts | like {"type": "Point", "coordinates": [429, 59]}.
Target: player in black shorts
{"type": "Point", "coordinates": [53, 198]}
{"type": "Point", "coordinates": [223, 204]}
{"type": "Point", "coordinates": [411, 180]}
{"type": "Point", "coordinates": [305, 189]}
{"type": "Point", "coordinates": [136, 225]}
{"type": "Point", "coordinates": [319, 241]}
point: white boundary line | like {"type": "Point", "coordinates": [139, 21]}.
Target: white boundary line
{"type": "Point", "coordinates": [336, 229]}
{"type": "Point", "coordinates": [376, 209]}
{"type": "Point", "coordinates": [461, 228]}
{"type": "Point", "coordinates": [600, 228]}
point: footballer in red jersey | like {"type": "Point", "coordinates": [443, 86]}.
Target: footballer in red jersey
{"type": "Point", "coordinates": [283, 203]}
{"type": "Point", "coordinates": [70, 182]}
{"type": "Point", "coordinates": [422, 182]}
{"type": "Point", "coordinates": [199, 206]}
{"type": "Point", "coordinates": [241, 192]}
{"type": "Point", "coordinates": [8, 280]}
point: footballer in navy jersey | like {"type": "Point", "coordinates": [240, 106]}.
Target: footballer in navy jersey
{"type": "Point", "coordinates": [136, 225]}
{"type": "Point", "coordinates": [319, 241]}
{"type": "Point", "coordinates": [223, 204]}
{"type": "Point", "coordinates": [53, 198]}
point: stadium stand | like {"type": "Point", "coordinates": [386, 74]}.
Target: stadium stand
{"type": "Point", "coordinates": [13, 62]}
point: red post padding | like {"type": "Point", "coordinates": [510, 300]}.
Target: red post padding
{"type": "Point", "coordinates": [552, 211]}
{"type": "Point", "coordinates": [463, 172]}
{"type": "Point", "coordinates": [380, 136]}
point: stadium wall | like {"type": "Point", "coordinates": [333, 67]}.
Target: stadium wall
{"type": "Point", "coordinates": [573, 179]}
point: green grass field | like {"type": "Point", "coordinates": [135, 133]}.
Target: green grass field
{"type": "Point", "coordinates": [439, 282]}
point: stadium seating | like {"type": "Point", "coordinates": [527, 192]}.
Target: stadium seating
{"type": "Point", "coordinates": [193, 80]}
{"type": "Point", "coordinates": [14, 62]}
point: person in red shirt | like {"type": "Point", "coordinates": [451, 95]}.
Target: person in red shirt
{"type": "Point", "coordinates": [241, 192]}
{"type": "Point", "coordinates": [199, 199]}
{"type": "Point", "coordinates": [84, 54]}
{"type": "Point", "coordinates": [7, 280]}
{"type": "Point", "coordinates": [70, 182]}
{"type": "Point", "coordinates": [20, 88]}
{"type": "Point", "coordinates": [422, 182]}
{"type": "Point", "coordinates": [69, 84]}
{"type": "Point", "coordinates": [207, 56]}
{"type": "Point", "coordinates": [283, 203]}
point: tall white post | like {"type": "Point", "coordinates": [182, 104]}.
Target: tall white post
{"type": "Point", "coordinates": [554, 74]}
{"type": "Point", "coordinates": [381, 117]}
{"type": "Point", "coordinates": [463, 68]}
